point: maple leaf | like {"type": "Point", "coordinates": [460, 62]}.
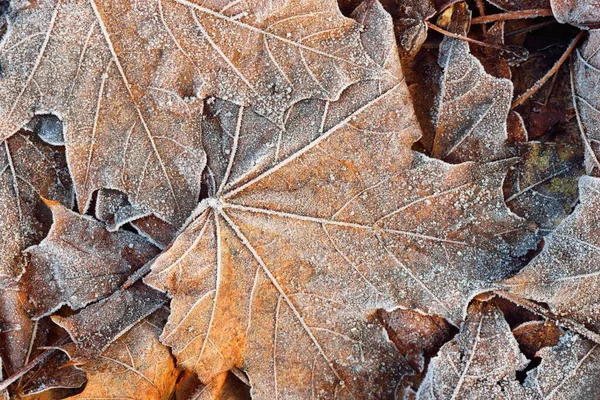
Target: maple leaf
{"type": "Point", "coordinates": [80, 262]}
{"type": "Point", "coordinates": [465, 367]}
{"type": "Point", "coordinates": [565, 274]}
{"type": "Point", "coordinates": [584, 77]}
{"type": "Point", "coordinates": [472, 107]}
{"type": "Point", "coordinates": [133, 76]}
{"type": "Point", "coordinates": [29, 168]}
{"type": "Point", "coordinates": [135, 366]}
{"type": "Point", "coordinates": [311, 227]}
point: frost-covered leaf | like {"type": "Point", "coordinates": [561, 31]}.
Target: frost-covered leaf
{"type": "Point", "coordinates": [566, 274]}
{"type": "Point", "coordinates": [29, 169]}
{"type": "Point", "coordinates": [133, 76]}
{"type": "Point", "coordinates": [479, 363]}
{"type": "Point", "coordinates": [99, 324]}
{"type": "Point", "coordinates": [80, 262]}
{"type": "Point", "coordinates": [584, 14]}
{"type": "Point", "coordinates": [568, 371]}
{"type": "Point", "coordinates": [310, 228]}
{"type": "Point", "coordinates": [543, 186]}
{"type": "Point", "coordinates": [472, 108]}
{"type": "Point", "coordinates": [136, 366]}
{"type": "Point", "coordinates": [519, 5]}
{"type": "Point", "coordinates": [534, 335]}
{"type": "Point", "coordinates": [585, 84]}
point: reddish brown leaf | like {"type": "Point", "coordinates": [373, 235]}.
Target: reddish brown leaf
{"type": "Point", "coordinates": [80, 262]}
{"type": "Point", "coordinates": [535, 335]}
{"type": "Point", "coordinates": [584, 14]}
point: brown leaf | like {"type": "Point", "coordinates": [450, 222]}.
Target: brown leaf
{"type": "Point", "coordinates": [534, 335]}
{"type": "Point", "coordinates": [472, 108]}
{"type": "Point", "coordinates": [584, 82]}
{"type": "Point", "coordinates": [17, 328]}
{"type": "Point", "coordinates": [98, 325]}
{"type": "Point", "coordinates": [29, 169]}
{"type": "Point", "coordinates": [224, 387]}
{"type": "Point", "coordinates": [584, 14]}
{"type": "Point", "coordinates": [80, 262]}
{"type": "Point", "coordinates": [569, 371]}
{"type": "Point", "coordinates": [565, 274]}
{"type": "Point", "coordinates": [543, 186]}
{"type": "Point", "coordinates": [519, 5]}
{"type": "Point", "coordinates": [135, 366]}
{"type": "Point", "coordinates": [133, 76]}
{"type": "Point", "coordinates": [479, 363]}
{"type": "Point", "coordinates": [309, 228]}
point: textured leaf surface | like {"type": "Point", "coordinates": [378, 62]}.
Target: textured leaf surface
{"type": "Point", "coordinates": [472, 107]}
{"type": "Point", "coordinates": [310, 228]}
{"type": "Point", "coordinates": [583, 14]}
{"type": "Point", "coordinates": [80, 262]}
{"type": "Point", "coordinates": [465, 367]}
{"type": "Point", "coordinates": [29, 169]}
{"type": "Point", "coordinates": [565, 275]}
{"type": "Point", "coordinates": [136, 366]}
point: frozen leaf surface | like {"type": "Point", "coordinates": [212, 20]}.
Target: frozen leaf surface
{"type": "Point", "coordinates": [29, 169]}
{"type": "Point", "coordinates": [566, 274]}
{"type": "Point", "coordinates": [472, 107]}
{"type": "Point", "coordinates": [311, 227]}
{"type": "Point", "coordinates": [80, 262]}
{"type": "Point", "coordinates": [586, 98]}
{"type": "Point", "coordinates": [136, 366]}
{"type": "Point", "coordinates": [584, 14]}
{"type": "Point", "coordinates": [479, 363]}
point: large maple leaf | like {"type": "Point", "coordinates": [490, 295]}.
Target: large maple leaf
{"type": "Point", "coordinates": [311, 227]}
{"type": "Point", "coordinates": [128, 79]}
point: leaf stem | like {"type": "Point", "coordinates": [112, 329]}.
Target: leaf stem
{"type": "Point", "coordinates": [535, 13]}
{"type": "Point", "coordinates": [465, 38]}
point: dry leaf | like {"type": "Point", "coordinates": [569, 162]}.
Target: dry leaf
{"type": "Point", "coordinates": [309, 228]}
{"type": "Point", "coordinates": [519, 5]}
{"type": "Point", "coordinates": [99, 324]}
{"type": "Point", "coordinates": [565, 274]}
{"type": "Point", "coordinates": [584, 14]}
{"type": "Point", "coordinates": [136, 366]}
{"type": "Point", "coordinates": [479, 363]}
{"type": "Point", "coordinates": [29, 169]}
{"type": "Point", "coordinates": [80, 262]}
{"type": "Point", "coordinates": [543, 187]}
{"type": "Point", "coordinates": [534, 335]}
{"type": "Point", "coordinates": [569, 371]}
{"type": "Point", "coordinates": [586, 98]}
{"type": "Point", "coordinates": [472, 108]}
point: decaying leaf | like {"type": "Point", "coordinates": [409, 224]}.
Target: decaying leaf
{"type": "Point", "coordinates": [543, 186]}
{"type": "Point", "coordinates": [565, 274]}
{"type": "Point", "coordinates": [309, 228]}
{"type": "Point", "coordinates": [586, 99]}
{"type": "Point", "coordinates": [29, 170]}
{"type": "Point", "coordinates": [584, 14]}
{"type": "Point", "coordinates": [136, 366]}
{"type": "Point", "coordinates": [479, 363]}
{"type": "Point", "coordinates": [472, 108]}
{"type": "Point", "coordinates": [80, 262]}
{"type": "Point", "coordinates": [518, 5]}
{"type": "Point", "coordinates": [532, 336]}
{"type": "Point", "coordinates": [98, 325]}
{"type": "Point", "coordinates": [569, 371]}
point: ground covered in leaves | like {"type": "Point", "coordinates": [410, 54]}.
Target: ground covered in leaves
{"type": "Point", "coordinates": [300, 199]}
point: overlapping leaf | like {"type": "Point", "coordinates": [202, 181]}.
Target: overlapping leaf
{"type": "Point", "coordinates": [566, 274]}
{"type": "Point", "coordinates": [310, 227]}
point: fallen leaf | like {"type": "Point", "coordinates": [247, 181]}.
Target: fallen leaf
{"type": "Point", "coordinates": [80, 262]}
{"type": "Point", "coordinates": [564, 276]}
{"type": "Point", "coordinates": [472, 108]}
{"type": "Point", "coordinates": [136, 366]}
{"type": "Point", "coordinates": [479, 363]}
{"type": "Point", "coordinates": [583, 14]}
{"type": "Point", "coordinates": [543, 186]}
{"type": "Point", "coordinates": [29, 169]}
{"type": "Point", "coordinates": [532, 336]}
{"type": "Point", "coordinates": [568, 371]}
{"type": "Point", "coordinates": [586, 99]}
{"type": "Point", "coordinates": [520, 5]}
{"type": "Point", "coordinates": [309, 228]}
{"type": "Point", "coordinates": [99, 324]}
